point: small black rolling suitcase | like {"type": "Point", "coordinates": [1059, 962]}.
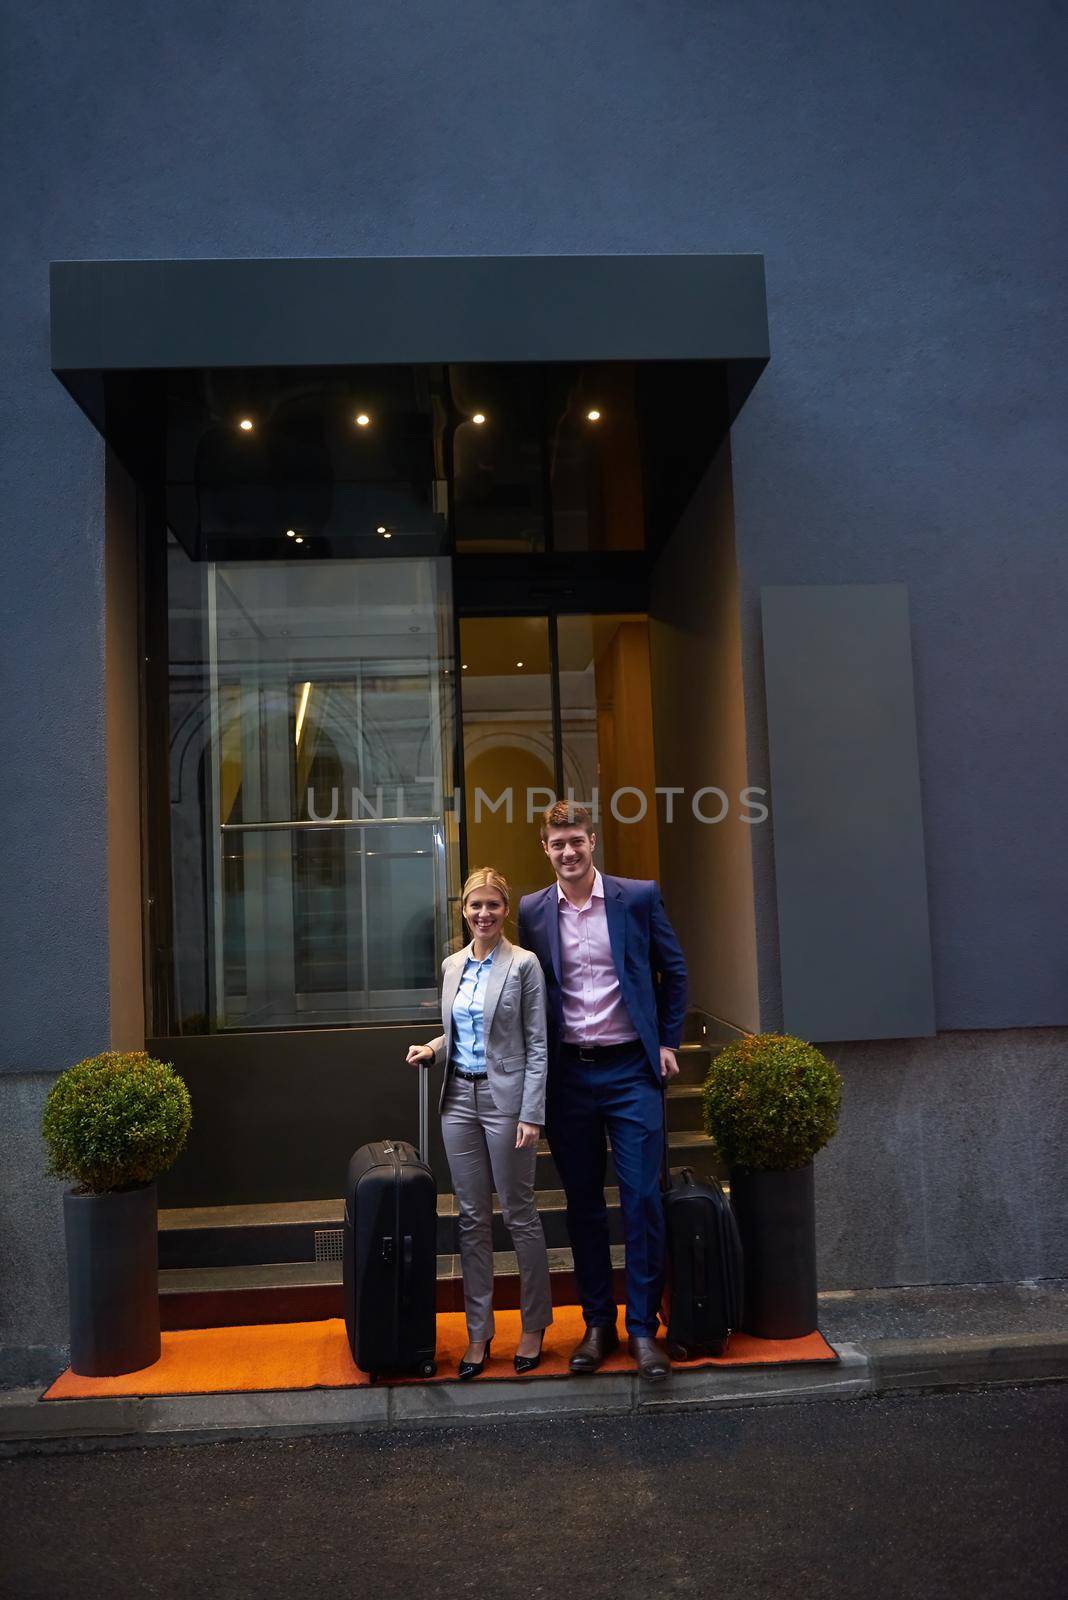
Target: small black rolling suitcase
{"type": "Point", "coordinates": [389, 1258]}
{"type": "Point", "coordinates": [703, 1286]}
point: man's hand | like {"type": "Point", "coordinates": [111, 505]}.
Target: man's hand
{"type": "Point", "coordinates": [419, 1055]}
{"type": "Point", "coordinates": [526, 1134]}
{"type": "Point", "coordinates": [669, 1067]}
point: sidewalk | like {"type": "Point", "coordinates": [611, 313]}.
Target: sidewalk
{"type": "Point", "coordinates": [886, 1339]}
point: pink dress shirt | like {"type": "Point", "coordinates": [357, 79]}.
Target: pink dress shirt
{"type": "Point", "coordinates": [594, 1012]}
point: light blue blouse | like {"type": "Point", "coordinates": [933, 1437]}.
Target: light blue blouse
{"type": "Point", "coordinates": [468, 1034]}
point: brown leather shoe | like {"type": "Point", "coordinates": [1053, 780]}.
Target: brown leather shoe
{"type": "Point", "coordinates": [651, 1362]}
{"type": "Point", "coordinates": [598, 1343]}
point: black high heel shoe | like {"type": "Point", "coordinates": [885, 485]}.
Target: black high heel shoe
{"type": "Point", "coordinates": [471, 1369]}
{"type": "Point", "coordinates": [528, 1363]}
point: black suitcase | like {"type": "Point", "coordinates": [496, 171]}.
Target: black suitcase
{"type": "Point", "coordinates": [703, 1285]}
{"type": "Point", "coordinates": [389, 1258]}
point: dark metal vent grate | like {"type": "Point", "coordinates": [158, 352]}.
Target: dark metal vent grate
{"type": "Point", "coordinates": [328, 1244]}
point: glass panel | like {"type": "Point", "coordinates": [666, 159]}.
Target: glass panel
{"type": "Point", "coordinates": [509, 765]}
{"type": "Point", "coordinates": [498, 463]}
{"type": "Point", "coordinates": [312, 852]}
{"type": "Point", "coordinates": [595, 461]}
{"type": "Point", "coordinates": [607, 733]}
{"type": "Point", "coordinates": [342, 457]}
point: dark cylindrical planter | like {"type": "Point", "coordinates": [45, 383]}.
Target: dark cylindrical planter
{"type": "Point", "coordinates": [776, 1214]}
{"type": "Point", "coordinates": [112, 1273]}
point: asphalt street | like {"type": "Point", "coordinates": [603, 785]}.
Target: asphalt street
{"type": "Point", "coordinates": [955, 1495]}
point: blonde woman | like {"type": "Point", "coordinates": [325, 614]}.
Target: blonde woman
{"type": "Point", "coordinates": [492, 1106]}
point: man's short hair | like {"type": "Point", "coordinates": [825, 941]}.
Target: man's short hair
{"type": "Point", "coordinates": [566, 814]}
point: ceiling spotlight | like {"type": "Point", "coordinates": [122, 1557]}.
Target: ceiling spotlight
{"type": "Point", "coordinates": [381, 528]}
{"type": "Point", "coordinates": [245, 424]}
{"type": "Point", "coordinates": [386, 534]}
{"type": "Point", "coordinates": [362, 420]}
{"type": "Point", "coordinates": [519, 663]}
{"type": "Point", "coordinates": [291, 533]}
{"type": "Point", "coordinates": [593, 416]}
{"type": "Point", "coordinates": [479, 418]}
{"type": "Point", "coordinates": [464, 665]}
{"type": "Point", "coordinates": [297, 539]}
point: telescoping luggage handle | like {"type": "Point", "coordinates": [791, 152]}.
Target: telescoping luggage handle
{"type": "Point", "coordinates": [424, 1114]}
{"type": "Point", "coordinates": [665, 1159]}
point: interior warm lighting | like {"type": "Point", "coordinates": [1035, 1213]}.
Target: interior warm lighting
{"type": "Point", "coordinates": [479, 418]}
{"type": "Point", "coordinates": [291, 533]}
{"type": "Point", "coordinates": [297, 539]}
{"type": "Point", "coordinates": [245, 424]}
{"type": "Point", "coordinates": [519, 663]}
{"type": "Point", "coordinates": [363, 420]}
{"type": "Point", "coordinates": [306, 691]}
{"type": "Point", "coordinates": [464, 665]}
{"type": "Point", "coordinates": [593, 416]}
{"type": "Point", "coordinates": [386, 534]}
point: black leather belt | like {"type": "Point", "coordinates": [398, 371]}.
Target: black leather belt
{"type": "Point", "coordinates": [470, 1077]}
{"type": "Point", "coordinates": [602, 1052]}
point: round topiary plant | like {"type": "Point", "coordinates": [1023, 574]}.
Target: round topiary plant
{"type": "Point", "coordinates": [115, 1120]}
{"type": "Point", "coordinates": [771, 1101]}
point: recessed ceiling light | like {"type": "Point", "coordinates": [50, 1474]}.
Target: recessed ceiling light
{"type": "Point", "coordinates": [387, 534]}
{"type": "Point", "coordinates": [363, 420]}
{"type": "Point", "coordinates": [291, 533]}
{"type": "Point", "coordinates": [245, 424]}
{"type": "Point", "coordinates": [479, 418]}
{"type": "Point", "coordinates": [593, 416]}
{"type": "Point", "coordinates": [519, 663]}
{"type": "Point", "coordinates": [297, 539]}
{"type": "Point", "coordinates": [464, 665]}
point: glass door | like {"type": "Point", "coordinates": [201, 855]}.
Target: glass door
{"type": "Point", "coordinates": [314, 846]}
{"type": "Point", "coordinates": [557, 707]}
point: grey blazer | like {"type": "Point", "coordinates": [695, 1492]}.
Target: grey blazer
{"type": "Point", "coordinates": [513, 1028]}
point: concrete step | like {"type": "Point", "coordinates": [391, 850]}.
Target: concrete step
{"type": "Point", "coordinates": [305, 1231]}
{"type": "Point", "coordinates": [694, 1060]}
{"type": "Point", "coordinates": [686, 1147]}
{"type": "Point", "coordinates": [684, 1107]}
{"type": "Point", "coordinates": [309, 1291]}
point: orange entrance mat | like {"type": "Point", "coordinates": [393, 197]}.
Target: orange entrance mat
{"type": "Point", "coordinates": [315, 1355]}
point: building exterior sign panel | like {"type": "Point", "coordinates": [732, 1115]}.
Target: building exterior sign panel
{"type": "Point", "coordinates": [850, 868]}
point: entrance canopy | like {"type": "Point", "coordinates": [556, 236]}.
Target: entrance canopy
{"type": "Point", "coordinates": [137, 316]}
{"type": "Point", "coordinates": [108, 315]}
{"type": "Point", "coordinates": [171, 360]}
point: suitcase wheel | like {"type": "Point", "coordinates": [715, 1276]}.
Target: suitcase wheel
{"type": "Point", "coordinates": [677, 1352]}
{"type": "Point", "coordinates": [428, 1369]}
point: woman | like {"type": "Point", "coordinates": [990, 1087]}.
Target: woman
{"type": "Point", "coordinates": [492, 1106]}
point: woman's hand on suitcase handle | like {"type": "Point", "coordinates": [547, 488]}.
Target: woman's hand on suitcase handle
{"type": "Point", "coordinates": [419, 1055]}
{"type": "Point", "coordinates": [526, 1134]}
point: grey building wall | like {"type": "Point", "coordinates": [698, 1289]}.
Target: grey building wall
{"type": "Point", "coordinates": [949, 1162]}
{"type": "Point", "coordinates": [897, 166]}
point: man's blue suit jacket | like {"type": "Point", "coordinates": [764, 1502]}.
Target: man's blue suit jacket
{"type": "Point", "coordinates": [648, 958]}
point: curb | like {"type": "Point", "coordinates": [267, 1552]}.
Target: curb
{"type": "Point", "coordinates": [882, 1366]}
{"type": "Point", "coordinates": [985, 1359]}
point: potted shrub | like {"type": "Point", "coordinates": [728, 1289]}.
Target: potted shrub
{"type": "Point", "coordinates": [770, 1102]}
{"type": "Point", "coordinates": [113, 1123]}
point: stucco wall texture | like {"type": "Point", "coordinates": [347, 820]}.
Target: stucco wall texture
{"type": "Point", "coordinates": [897, 165]}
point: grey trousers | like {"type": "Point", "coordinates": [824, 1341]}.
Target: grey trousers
{"type": "Point", "coordinates": [480, 1144]}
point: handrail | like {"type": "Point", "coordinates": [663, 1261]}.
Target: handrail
{"type": "Point", "coordinates": [326, 822]}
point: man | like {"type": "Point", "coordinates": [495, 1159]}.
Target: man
{"type": "Point", "coordinates": [616, 990]}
